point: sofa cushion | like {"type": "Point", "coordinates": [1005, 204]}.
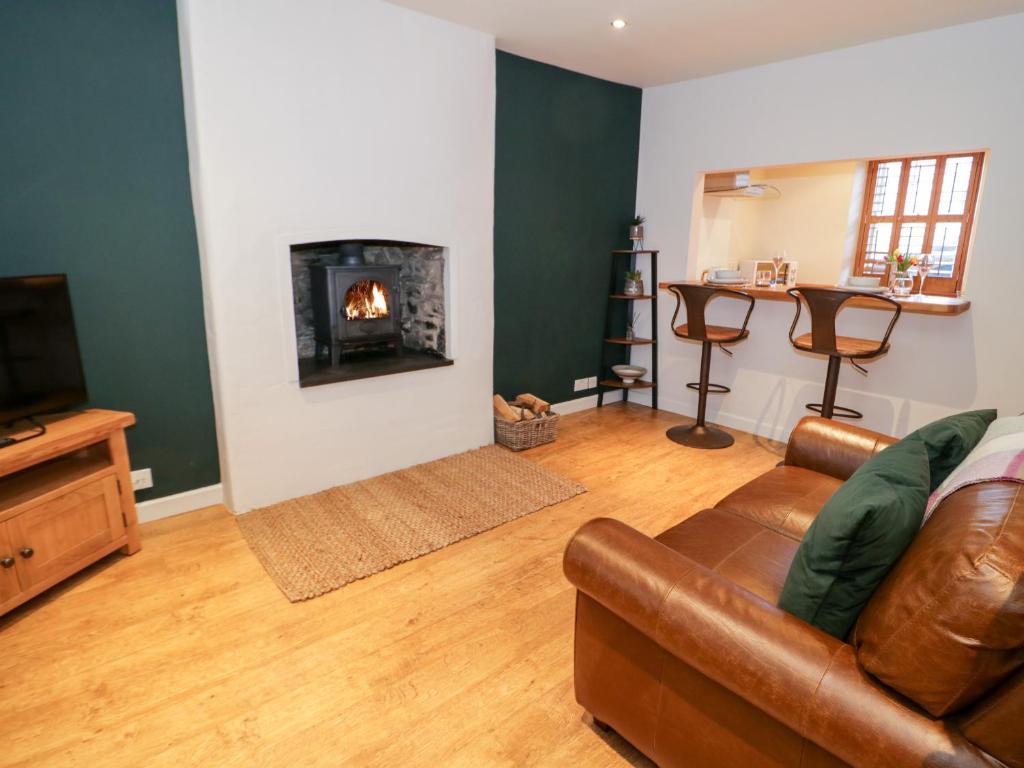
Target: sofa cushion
{"type": "Point", "coordinates": [949, 440]}
{"type": "Point", "coordinates": [786, 499]}
{"type": "Point", "coordinates": [947, 625]}
{"type": "Point", "coordinates": [747, 553]}
{"type": "Point", "coordinates": [857, 537]}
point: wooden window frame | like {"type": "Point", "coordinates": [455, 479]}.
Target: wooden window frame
{"type": "Point", "coordinates": [934, 285]}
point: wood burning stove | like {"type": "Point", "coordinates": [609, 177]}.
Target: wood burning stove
{"type": "Point", "coordinates": [355, 306]}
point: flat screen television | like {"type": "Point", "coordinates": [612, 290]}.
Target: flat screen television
{"type": "Point", "coordinates": [40, 366]}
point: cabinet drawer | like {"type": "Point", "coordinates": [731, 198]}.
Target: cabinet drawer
{"type": "Point", "coordinates": [65, 533]}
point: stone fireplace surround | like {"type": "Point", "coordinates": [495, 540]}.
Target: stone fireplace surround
{"type": "Point", "coordinates": [422, 306]}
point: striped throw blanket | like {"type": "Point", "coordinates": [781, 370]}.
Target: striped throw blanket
{"type": "Point", "coordinates": [999, 456]}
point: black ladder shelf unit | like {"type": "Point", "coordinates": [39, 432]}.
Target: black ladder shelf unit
{"type": "Point", "coordinates": [608, 380]}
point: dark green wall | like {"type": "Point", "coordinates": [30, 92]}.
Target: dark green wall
{"type": "Point", "coordinates": [564, 190]}
{"type": "Point", "coordinates": [94, 183]}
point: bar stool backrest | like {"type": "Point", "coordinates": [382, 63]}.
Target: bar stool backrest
{"type": "Point", "coordinates": [696, 298]}
{"type": "Point", "coordinates": [824, 305]}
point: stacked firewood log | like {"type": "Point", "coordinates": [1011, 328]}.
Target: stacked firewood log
{"type": "Point", "coordinates": [525, 407]}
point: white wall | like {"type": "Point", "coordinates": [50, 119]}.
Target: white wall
{"type": "Point", "coordinates": [323, 120]}
{"type": "Point", "coordinates": [948, 90]}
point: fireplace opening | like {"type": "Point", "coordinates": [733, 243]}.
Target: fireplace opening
{"type": "Point", "coordinates": [368, 308]}
{"type": "Point", "coordinates": [366, 300]}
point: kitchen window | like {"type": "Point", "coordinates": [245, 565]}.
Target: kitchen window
{"type": "Point", "coordinates": [920, 205]}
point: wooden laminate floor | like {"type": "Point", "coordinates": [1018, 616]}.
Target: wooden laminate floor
{"type": "Point", "coordinates": [187, 654]}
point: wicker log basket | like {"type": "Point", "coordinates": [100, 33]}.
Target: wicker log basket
{"type": "Point", "coordinates": [524, 423]}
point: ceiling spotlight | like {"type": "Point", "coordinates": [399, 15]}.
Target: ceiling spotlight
{"type": "Point", "coordinates": [619, 23]}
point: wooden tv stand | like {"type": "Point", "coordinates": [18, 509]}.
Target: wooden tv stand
{"type": "Point", "coordinates": [65, 501]}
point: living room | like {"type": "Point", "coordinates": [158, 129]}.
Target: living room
{"type": "Point", "coordinates": [335, 460]}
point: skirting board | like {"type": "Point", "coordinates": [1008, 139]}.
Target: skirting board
{"type": "Point", "coordinates": [179, 503]}
{"type": "Point", "coordinates": [583, 403]}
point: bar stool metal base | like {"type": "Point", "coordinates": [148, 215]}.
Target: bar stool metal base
{"type": "Point", "coordinates": [716, 389]}
{"type": "Point", "coordinates": [837, 410]}
{"type": "Point", "coordinates": [827, 407]}
{"type": "Point", "coordinates": [700, 436]}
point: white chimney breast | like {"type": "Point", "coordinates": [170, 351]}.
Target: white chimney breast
{"type": "Point", "coordinates": [326, 120]}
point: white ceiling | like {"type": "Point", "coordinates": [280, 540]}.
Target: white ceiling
{"type": "Point", "coordinates": [670, 40]}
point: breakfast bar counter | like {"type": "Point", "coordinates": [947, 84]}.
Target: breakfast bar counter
{"type": "Point", "coordinates": [922, 305]}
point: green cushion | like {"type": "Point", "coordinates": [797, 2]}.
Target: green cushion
{"type": "Point", "coordinates": [949, 440]}
{"type": "Point", "coordinates": [857, 537]}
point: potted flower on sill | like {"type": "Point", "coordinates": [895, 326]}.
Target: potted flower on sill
{"type": "Point", "coordinates": [634, 284]}
{"type": "Point", "coordinates": [636, 231]}
{"type": "Point", "coordinates": [901, 283]}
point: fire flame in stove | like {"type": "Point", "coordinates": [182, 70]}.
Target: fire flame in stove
{"type": "Point", "coordinates": [366, 300]}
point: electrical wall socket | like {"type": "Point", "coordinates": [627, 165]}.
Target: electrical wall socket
{"type": "Point", "coordinates": [581, 385]}
{"type": "Point", "coordinates": [141, 479]}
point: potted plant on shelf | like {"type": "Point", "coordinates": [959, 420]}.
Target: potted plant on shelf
{"type": "Point", "coordinates": [634, 283]}
{"type": "Point", "coordinates": [631, 326]}
{"type": "Point", "coordinates": [636, 231]}
{"type": "Point", "coordinates": [901, 283]}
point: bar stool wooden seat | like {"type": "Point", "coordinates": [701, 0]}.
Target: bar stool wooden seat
{"type": "Point", "coordinates": [696, 298]}
{"type": "Point", "coordinates": [824, 305]}
{"type": "Point", "coordinates": [714, 333]}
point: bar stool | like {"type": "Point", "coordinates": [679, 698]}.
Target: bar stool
{"type": "Point", "coordinates": [824, 305]}
{"type": "Point", "coordinates": [696, 298]}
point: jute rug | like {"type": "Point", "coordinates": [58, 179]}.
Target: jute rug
{"type": "Point", "coordinates": [315, 544]}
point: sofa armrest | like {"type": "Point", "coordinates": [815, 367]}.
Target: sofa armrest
{"type": "Point", "coordinates": [790, 670]}
{"type": "Point", "coordinates": [832, 448]}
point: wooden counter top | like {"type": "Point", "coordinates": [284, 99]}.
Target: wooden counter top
{"type": "Point", "coordinates": [921, 305]}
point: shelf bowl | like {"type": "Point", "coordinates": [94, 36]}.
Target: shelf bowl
{"type": "Point", "coordinates": [628, 373]}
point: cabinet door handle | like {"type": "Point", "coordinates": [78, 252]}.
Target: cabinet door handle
{"type": "Point", "coordinates": [26, 552]}
{"type": "Point", "coordinates": [7, 562]}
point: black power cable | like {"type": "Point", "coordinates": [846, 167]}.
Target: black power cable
{"type": "Point", "coordinates": [40, 431]}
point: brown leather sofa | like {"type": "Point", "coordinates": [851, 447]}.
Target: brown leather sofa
{"type": "Point", "coordinates": [681, 649]}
